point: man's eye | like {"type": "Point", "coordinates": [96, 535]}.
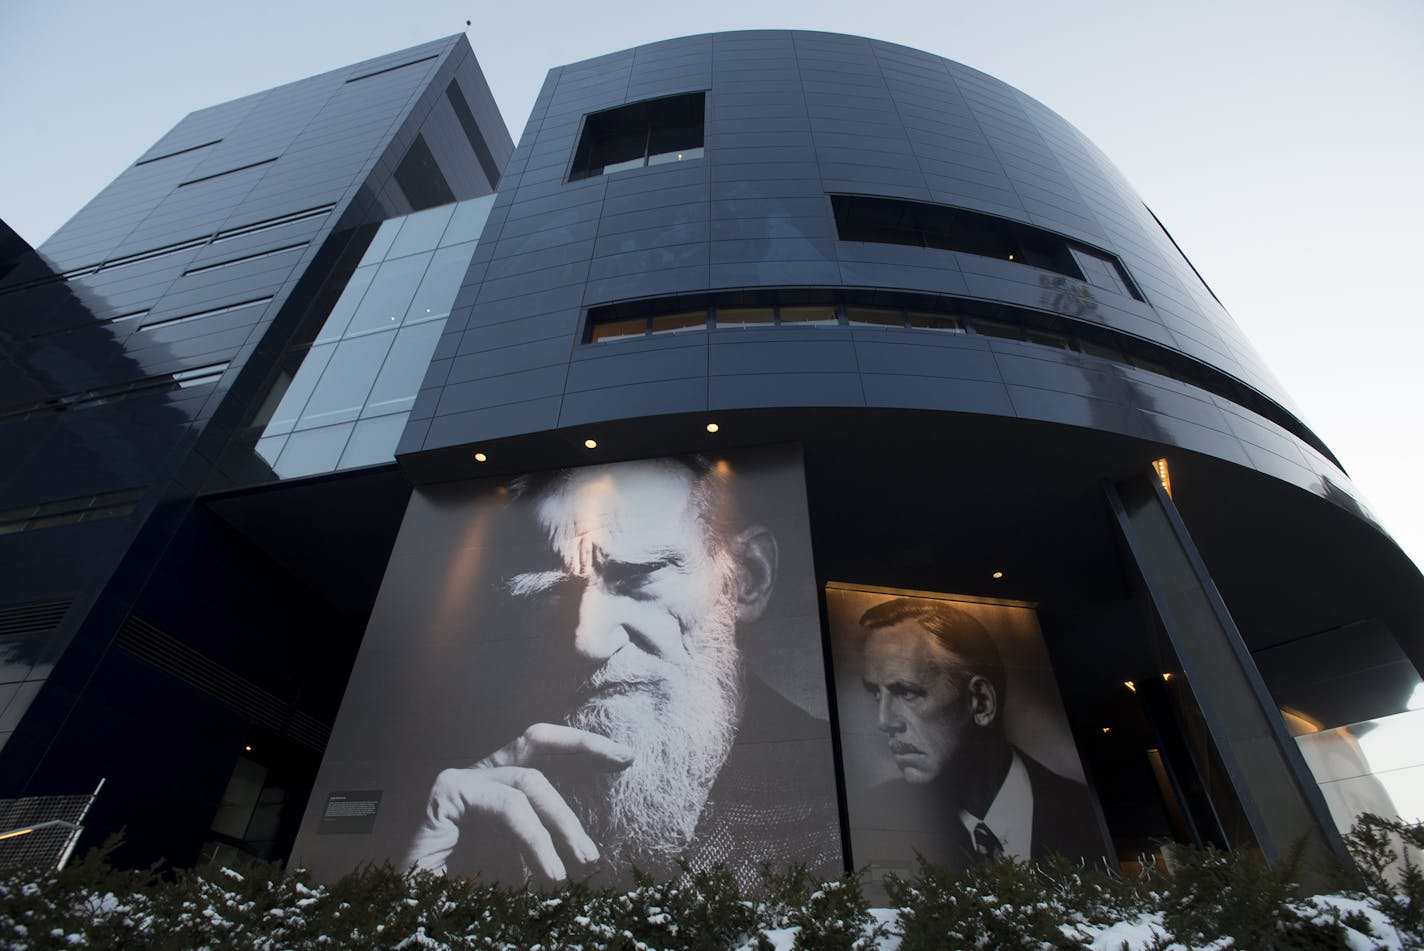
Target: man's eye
{"type": "Point", "coordinates": [908, 693]}
{"type": "Point", "coordinates": [873, 690]}
{"type": "Point", "coordinates": [627, 577]}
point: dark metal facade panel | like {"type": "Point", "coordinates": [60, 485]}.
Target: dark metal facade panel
{"type": "Point", "coordinates": [792, 118]}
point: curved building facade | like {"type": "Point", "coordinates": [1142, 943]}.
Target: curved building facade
{"type": "Point", "coordinates": [826, 457]}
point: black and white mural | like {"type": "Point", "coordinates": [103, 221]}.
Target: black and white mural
{"type": "Point", "coordinates": [954, 739]}
{"type": "Point", "coordinates": [576, 673]}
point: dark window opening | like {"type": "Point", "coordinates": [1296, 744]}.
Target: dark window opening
{"type": "Point", "coordinates": [925, 225]}
{"type": "Point", "coordinates": [655, 132]}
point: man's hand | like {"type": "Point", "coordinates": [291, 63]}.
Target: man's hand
{"type": "Point", "coordinates": [507, 788]}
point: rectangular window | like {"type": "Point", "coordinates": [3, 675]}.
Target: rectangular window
{"type": "Point", "coordinates": [745, 317]}
{"type": "Point", "coordinates": [616, 329]}
{"type": "Point", "coordinates": [654, 132]}
{"type": "Point", "coordinates": [874, 317]}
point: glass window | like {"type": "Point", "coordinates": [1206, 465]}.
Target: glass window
{"type": "Point", "coordinates": [373, 441]}
{"type": "Point", "coordinates": [676, 155]}
{"type": "Point", "coordinates": [340, 316]}
{"type": "Point", "coordinates": [295, 399]}
{"type": "Point", "coordinates": [1046, 338]}
{"type": "Point", "coordinates": [620, 329]}
{"type": "Point", "coordinates": [924, 320]}
{"type": "Point", "coordinates": [687, 320]}
{"type": "Point", "coordinates": [1106, 353]}
{"type": "Point", "coordinates": [270, 447]}
{"type": "Point", "coordinates": [640, 133]}
{"type": "Point", "coordinates": [381, 243]}
{"type": "Point", "coordinates": [874, 317]}
{"type": "Point", "coordinates": [745, 317]}
{"type": "Point", "coordinates": [821, 315]}
{"type": "Point", "coordinates": [994, 328]}
{"type": "Point", "coordinates": [441, 283]}
{"type": "Point", "coordinates": [341, 392]}
{"type": "Point", "coordinates": [404, 370]}
{"type": "Point", "coordinates": [389, 295]}
{"type": "Point", "coordinates": [313, 451]}
{"type": "Point", "coordinates": [421, 231]}
{"type": "Point", "coordinates": [468, 221]}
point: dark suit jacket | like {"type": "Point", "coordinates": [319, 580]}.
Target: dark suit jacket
{"type": "Point", "coordinates": [1065, 821]}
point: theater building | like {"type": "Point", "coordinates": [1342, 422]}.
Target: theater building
{"type": "Point", "coordinates": [799, 447]}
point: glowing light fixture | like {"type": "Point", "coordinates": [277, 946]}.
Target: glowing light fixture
{"type": "Point", "coordinates": [248, 748]}
{"type": "Point", "coordinates": [17, 833]}
{"type": "Point", "coordinates": [590, 444]}
{"type": "Point", "coordinates": [997, 575]}
{"type": "Point", "coordinates": [1166, 678]}
{"type": "Point", "coordinates": [1130, 685]}
{"type": "Point", "coordinates": [481, 457]}
{"type": "Point", "coordinates": [1160, 465]}
{"type": "Point", "coordinates": [1107, 729]}
{"type": "Point", "coordinates": [713, 427]}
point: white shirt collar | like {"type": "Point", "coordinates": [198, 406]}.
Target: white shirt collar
{"type": "Point", "coordinates": [1010, 815]}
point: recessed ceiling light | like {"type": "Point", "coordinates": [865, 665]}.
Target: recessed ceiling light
{"type": "Point", "coordinates": [590, 444]}
{"type": "Point", "coordinates": [1107, 729]}
{"type": "Point", "coordinates": [248, 748]}
{"type": "Point", "coordinates": [713, 427]}
{"type": "Point", "coordinates": [481, 457]}
{"type": "Point", "coordinates": [997, 575]}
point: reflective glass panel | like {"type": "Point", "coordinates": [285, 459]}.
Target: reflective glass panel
{"type": "Point", "coordinates": [441, 283]}
{"type": "Point", "coordinates": [421, 231]}
{"type": "Point", "coordinates": [381, 243]}
{"type": "Point", "coordinates": [390, 294]}
{"type": "Point", "coordinates": [404, 369]}
{"type": "Point", "coordinates": [346, 305]}
{"type": "Point", "coordinates": [316, 450]}
{"type": "Point", "coordinates": [342, 390]}
{"type": "Point", "coordinates": [295, 399]}
{"type": "Point", "coordinates": [373, 441]}
{"type": "Point", "coordinates": [468, 220]}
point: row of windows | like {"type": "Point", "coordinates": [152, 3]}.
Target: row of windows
{"type": "Point", "coordinates": [179, 379]}
{"type": "Point", "coordinates": [86, 508]}
{"type": "Point", "coordinates": [139, 257]}
{"type": "Point", "coordinates": [889, 310]}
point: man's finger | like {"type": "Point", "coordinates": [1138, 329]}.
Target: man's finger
{"type": "Point", "coordinates": [552, 739]}
{"type": "Point", "coordinates": [460, 794]}
{"type": "Point", "coordinates": [552, 810]}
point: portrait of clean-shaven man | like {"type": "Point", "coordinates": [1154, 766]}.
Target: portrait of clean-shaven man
{"type": "Point", "coordinates": [577, 673]}
{"type": "Point", "coordinates": [955, 741]}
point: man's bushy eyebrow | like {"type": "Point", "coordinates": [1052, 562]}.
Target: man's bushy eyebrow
{"type": "Point", "coordinates": [528, 583]}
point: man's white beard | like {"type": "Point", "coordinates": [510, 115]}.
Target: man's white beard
{"type": "Point", "coordinates": [680, 722]}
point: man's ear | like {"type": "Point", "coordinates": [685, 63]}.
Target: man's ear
{"type": "Point", "coordinates": [983, 700]}
{"type": "Point", "coordinates": [757, 556]}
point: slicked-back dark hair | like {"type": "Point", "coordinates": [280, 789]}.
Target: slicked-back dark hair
{"type": "Point", "coordinates": [954, 631]}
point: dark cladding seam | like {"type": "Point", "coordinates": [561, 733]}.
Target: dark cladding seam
{"type": "Point", "coordinates": [191, 148]}
{"type": "Point", "coordinates": [391, 69]}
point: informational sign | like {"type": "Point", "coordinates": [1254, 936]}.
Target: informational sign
{"type": "Point", "coordinates": [582, 672]}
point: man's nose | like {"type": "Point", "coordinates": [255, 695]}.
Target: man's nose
{"type": "Point", "coordinates": [600, 631]}
{"type": "Point", "coordinates": [890, 721]}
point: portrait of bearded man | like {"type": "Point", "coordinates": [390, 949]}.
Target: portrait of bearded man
{"type": "Point", "coordinates": [656, 747]}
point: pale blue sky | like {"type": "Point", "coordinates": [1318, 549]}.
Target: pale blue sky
{"type": "Point", "coordinates": [1281, 142]}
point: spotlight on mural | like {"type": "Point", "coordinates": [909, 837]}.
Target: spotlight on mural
{"type": "Point", "coordinates": [582, 672]}
{"type": "Point", "coordinates": [955, 742]}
